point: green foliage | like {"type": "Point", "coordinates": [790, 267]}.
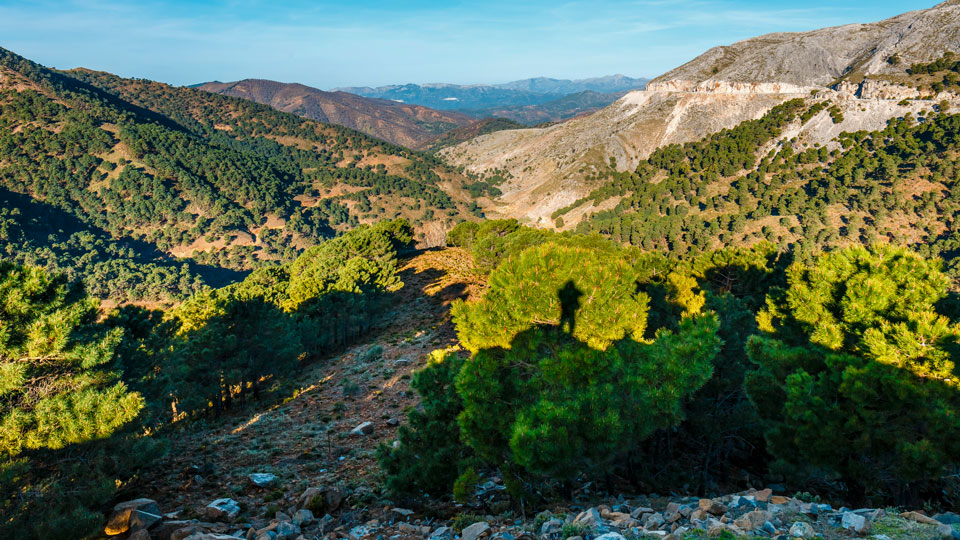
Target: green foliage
{"type": "Point", "coordinates": [54, 387]}
{"type": "Point", "coordinates": [523, 293]}
{"type": "Point", "coordinates": [556, 407]}
{"type": "Point", "coordinates": [60, 402]}
{"type": "Point", "coordinates": [855, 372]}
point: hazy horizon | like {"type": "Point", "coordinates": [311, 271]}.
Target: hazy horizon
{"type": "Point", "coordinates": [329, 45]}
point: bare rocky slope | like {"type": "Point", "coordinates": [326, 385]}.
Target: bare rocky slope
{"type": "Point", "coordinates": [858, 66]}
{"type": "Point", "coordinates": [400, 123]}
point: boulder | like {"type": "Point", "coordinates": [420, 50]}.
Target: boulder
{"type": "Point", "coordinates": [763, 495]}
{"type": "Point", "coordinates": [753, 520]}
{"type": "Point", "coordinates": [165, 530]}
{"type": "Point", "coordinates": [264, 480]}
{"type": "Point", "coordinates": [223, 509]}
{"type": "Point", "coordinates": [854, 522]}
{"type": "Point", "coordinates": [332, 498]}
{"type": "Point", "coordinates": [303, 517]}
{"type": "Point", "coordinates": [287, 531]}
{"type": "Point", "coordinates": [132, 515]}
{"type": "Point", "coordinates": [714, 507]}
{"type": "Point", "coordinates": [802, 529]}
{"type": "Point", "coordinates": [588, 518]}
{"type": "Point", "coordinates": [948, 518]}
{"type": "Point", "coordinates": [654, 521]}
{"type": "Point", "coordinates": [610, 536]}
{"type": "Point", "coordinates": [475, 531]}
{"type": "Point", "coordinates": [139, 534]}
{"type": "Point", "coordinates": [551, 527]}
{"type": "Point", "coordinates": [365, 428]}
{"type": "Point", "coordinates": [639, 512]}
{"type": "Point", "coordinates": [443, 533]}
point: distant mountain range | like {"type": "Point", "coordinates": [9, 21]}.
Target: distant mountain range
{"type": "Point", "coordinates": [400, 123]}
{"type": "Point", "coordinates": [418, 117]}
{"type": "Point", "coordinates": [479, 97]}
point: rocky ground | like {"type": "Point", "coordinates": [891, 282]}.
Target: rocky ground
{"type": "Point", "coordinates": [750, 514]}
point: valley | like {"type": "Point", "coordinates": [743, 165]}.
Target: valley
{"type": "Point", "coordinates": [721, 303]}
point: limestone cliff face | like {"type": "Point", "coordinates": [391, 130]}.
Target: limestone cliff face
{"type": "Point", "coordinates": [821, 57]}
{"type": "Point", "coordinates": [552, 167]}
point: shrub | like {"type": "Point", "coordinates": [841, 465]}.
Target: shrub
{"type": "Point", "coordinates": [854, 373]}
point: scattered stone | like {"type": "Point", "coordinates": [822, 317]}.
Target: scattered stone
{"type": "Point", "coordinates": [551, 527]}
{"type": "Point", "coordinates": [714, 507]}
{"type": "Point", "coordinates": [365, 428]}
{"type": "Point", "coordinates": [264, 480]}
{"type": "Point", "coordinates": [287, 531]}
{"type": "Point", "coordinates": [948, 518]}
{"type": "Point", "coordinates": [779, 499]}
{"type": "Point", "coordinates": [639, 512]}
{"type": "Point", "coordinates": [802, 529]}
{"type": "Point", "coordinates": [132, 515]}
{"type": "Point", "coordinates": [443, 533]}
{"type": "Point", "coordinates": [610, 536]}
{"type": "Point", "coordinates": [475, 531]}
{"type": "Point", "coordinates": [139, 534]}
{"type": "Point", "coordinates": [223, 509]}
{"type": "Point", "coordinates": [403, 512]}
{"type": "Point", "coordinates": [654, 521]}
{"type": "Point", "coordinates": [303, 517]}
{"type": "Point", "coordinates": [753, 520]}
{"type": "Point", "coordinates": [763, 495]}
{"type": "Point", "coordinates": [393, 422]}
{"type": "Point", "coordinates": [854, 522]}
{"type": "Point", "coordinates": [588, 518]}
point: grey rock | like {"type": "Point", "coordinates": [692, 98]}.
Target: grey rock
{"type": "Point", "coordinates": [223, 509]}
{"type": "Point", "coordinates": [854, 522]}
{"type": "Point", "coordinates": [303, 517]}
{"type": "Point", "coordinates": [263, 480]}
{"type": "Point", "coordinates": [365, 428]}
{"type": "Point", "coordinates": [588, 518]}
{"type": "Point", "coordinates": [654, 521]}
{"type": "Point", "coordinates": [139, 534]}
{"type": "Point", "coordinates": [287, 531]}
{"type": "Point", "coordinates": [475, 531]}
{"type": "Point", "coordinates": [442, 533]}
{"type": "Point", "coordinates": [947, 518]}
{"type": "Point", "coordinates": [132, 515]}
{"type": "Point", "coordinates": [610, 536]}
{"type": "Point", "coordinates": [802, 529]}
{"type": "Point", "coordinates": [551, 527]}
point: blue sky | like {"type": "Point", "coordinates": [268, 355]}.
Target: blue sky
{"type": "Point", "coordinates": [330, 44]}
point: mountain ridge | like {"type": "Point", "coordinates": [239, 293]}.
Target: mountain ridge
{"type": "Point", "coordinates": [405, 124]}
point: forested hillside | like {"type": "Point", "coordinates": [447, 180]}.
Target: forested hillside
{"type": "Point", "coordinates": [152, 173]}
{"type": "Point", "coordinates": [897, 185]}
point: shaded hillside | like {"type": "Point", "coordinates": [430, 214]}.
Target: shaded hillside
{"type": "Point", "coordinates": [400, 123]}
{"type": "Point", "coordinates": [186, 173]}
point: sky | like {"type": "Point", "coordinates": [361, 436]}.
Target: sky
{"type": "Point", "coordinates": [373, 43]}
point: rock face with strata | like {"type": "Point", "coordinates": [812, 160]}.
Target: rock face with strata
{"type": "Point", "coordinates": [550, 168]}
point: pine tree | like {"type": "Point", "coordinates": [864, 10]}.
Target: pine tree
{"type": "Point", "coordinates": [855, 371]}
